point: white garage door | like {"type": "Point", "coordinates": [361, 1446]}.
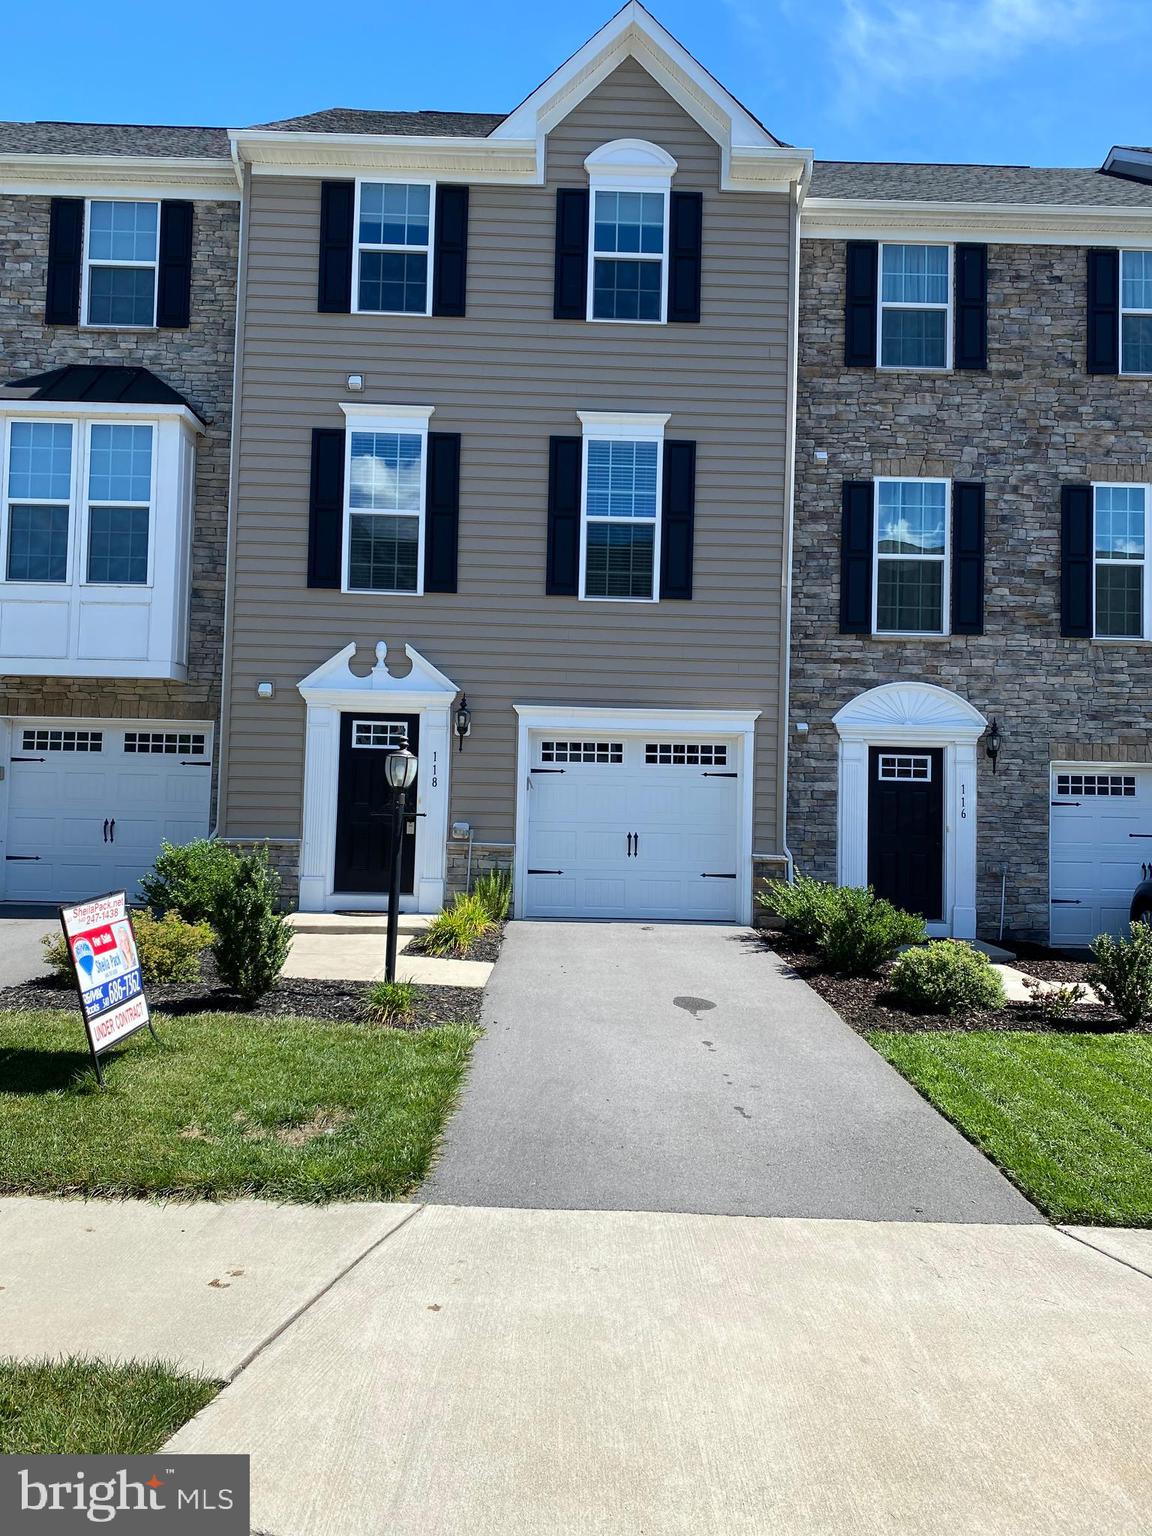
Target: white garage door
{"type": "Point", "coordinates": [1101, 849]}
{"type": "Point", "coordinates": [634, 827]}
{"type": "Point", "coordinates": [88, 804]}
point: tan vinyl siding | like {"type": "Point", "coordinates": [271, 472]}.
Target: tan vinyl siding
{"type": "Point", "coordinates": [507, 377]}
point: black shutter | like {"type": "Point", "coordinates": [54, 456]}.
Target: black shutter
{"type": "Point", "coordinates": [337, 211]}
{"type": "Point", "coordinates": [564, 465]}
{"type": "Point", "coordinates": [860, 294]}
{"type": "Point", "coordinates": [441, 511]}
{"type": "Point", "coordinates": [326, 508]}
{"type": "Point", "coordinates": [971, 279]}
{"type": "Point", "coordinates": [570, 294]}
{"type": "Point", "coordinates": [967, 558]}
{"type": "Point", "coordinates": [1103, 312]}
{"type": "Point", "coordinates": [65, 255]}
{"type": "Point", "coordinates": [685, 237]}
{"type": "Point", "coordinates": [1076, 561]}
{"type": "Point", "coordinates": [856, 557]}
{"type": "Point", "coordinates": [450, 261]}
{"type": "Point", "coordinates": [677, 518]}
{"type": "Point", "coordinates": [174, 278]}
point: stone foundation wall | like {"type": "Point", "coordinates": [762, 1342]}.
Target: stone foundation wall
{"type": "Point", "coordinates": [1033, 422]}
{"type": "Point", "coordinates": [485, 857]}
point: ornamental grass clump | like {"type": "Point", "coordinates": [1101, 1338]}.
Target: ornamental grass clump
{"type": "Point", "coordinates": [493, 891]}
{"type": "Point", "coordinates": [457, 928]}
{"type": "Point", "coordinates": [390, 1003]}
{"type": "Point", "coordinates": [946, 977]}
{"type": "Point", "coordinates": [1122, 973]}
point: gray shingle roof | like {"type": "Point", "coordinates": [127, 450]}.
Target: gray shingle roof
{"type": "Point", "coordinates": [101, 384]}
{"type": "Point", "coordinates": [352, 120]}
{"type": "Point", "coordinates": [1021, 184]}
{"type": "Point", "coordinates": [112, 139]}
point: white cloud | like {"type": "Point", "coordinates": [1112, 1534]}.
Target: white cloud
{"type": "Point", "coordinates": [897, 42]}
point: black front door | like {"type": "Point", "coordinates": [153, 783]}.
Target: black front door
{"type": "Point", "coordinates": [906, 827]}
{"type": "Point", "coordinates": [364, 805]}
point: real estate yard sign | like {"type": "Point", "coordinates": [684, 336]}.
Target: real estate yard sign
{"type": "Point", "coordinates": [102, 944]}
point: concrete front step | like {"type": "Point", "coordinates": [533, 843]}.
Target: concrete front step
{"type": "Point", "coordinates": [356, 922]}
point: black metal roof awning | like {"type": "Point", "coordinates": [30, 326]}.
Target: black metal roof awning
{"type": "Point", "coordinates": [102, 384]}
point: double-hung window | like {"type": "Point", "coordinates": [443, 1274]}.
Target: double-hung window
{"type": "Point", "coordinates": [384, 501]}
{"type": "Point", "coordinates": [622, 492]}
{"type": "Point", "coordinates": [1136, 311]}
{"type": "Point", "coordinates": [393, 247]}
{"type": "Point", "coordinates": [912, 540]}
{"type": "Point", "coordinates": [628, 276]}
{"type": "Point", "coordinates": [94, 477]}
{"type": "Point", "coordinates": [915, 306]}
{"type": "Point", "coordinates": [121, 249]}
{"type": "Point", "coordinates": [1120, 546]}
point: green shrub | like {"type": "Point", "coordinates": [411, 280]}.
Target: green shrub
{"type": "Point", "coordinates": [390, 1002]}
{"type": "Point", "coordinates": [252, 938]}
{"type": "Point", "coordinates": [494, 893]}
{"type": "Point", "coordinates": [803, 906]}
{"type": "Point", "coordinates": [946, 977]}
{"type": "Point", "coordinates": [169, 949]}
{"type": "Point", "coordinates": [1122, 972]}
{"type": "Point", "coordinates": [863, 930]}
{"type": "Point", "coordinates": [457, 928]}
{"type": "Point", "coordinates": [188, 879]}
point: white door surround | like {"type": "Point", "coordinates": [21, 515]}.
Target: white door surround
{"type": "Point", "coordinates": [632, 723]}
{"type": "Point", "coordinates": [923, 715]}
{"type": "Point", "coordinates": [332, 689]}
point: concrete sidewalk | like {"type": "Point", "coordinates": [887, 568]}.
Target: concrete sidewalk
{"type": "Point", "coordinates": [678, 1068]}
{"type": "Point", "coordinates": [612, 1374]}
{"type": "Point", "coordinates": [350, 946]}
{"type": "Point", "coordinates": [205, 1285]}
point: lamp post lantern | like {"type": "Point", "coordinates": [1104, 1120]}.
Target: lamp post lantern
{"type": "Point", "coordinates": [400, 770]}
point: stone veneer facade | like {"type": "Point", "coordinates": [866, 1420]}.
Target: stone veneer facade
{"type": "Point", "coordinates": [1033, 422]}
{"type": "Point", "coordinates": [198, 362]}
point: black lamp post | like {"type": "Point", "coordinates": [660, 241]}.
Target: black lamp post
{"type": "Point", "coordinates": [400, 770]}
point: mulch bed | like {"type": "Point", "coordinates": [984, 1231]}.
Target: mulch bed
{"type": "Point", "coordinates": [487, 948]}
{"type": "Point", "coordinates": [1050, 964]}
{"type": "Point", "coordinates": [866, 1002]}
{"type": "Point", "coordinates": [338, 1000]}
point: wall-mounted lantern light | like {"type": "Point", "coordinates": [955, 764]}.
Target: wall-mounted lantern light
{"type": "Point", "coordinates": [463, 720]}
{"type": "Point", "coordinates": [992, 743]}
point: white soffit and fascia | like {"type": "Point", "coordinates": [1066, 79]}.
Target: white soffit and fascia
{"type": "Point", "coordinates": [844, 218]}
{"type": "Point", "coordinates": [751, 159]}
{"type": "Point", "coordinates": [138, 177]}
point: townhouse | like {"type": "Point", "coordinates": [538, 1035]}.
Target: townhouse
{"type": "Point", "coordinates": [118, 249]}
{"type": "Point", "coordinates": [971, 668]}
{"type": "Point", "coordinates": [513, 479]}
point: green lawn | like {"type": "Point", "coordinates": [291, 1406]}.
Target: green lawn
{"type": "Point", "coordinates": [84, 1407]}
{"type": "Point", "coordinates": [1067, 1116]}
{"type": "Point", "coordinates": [225, 1104]}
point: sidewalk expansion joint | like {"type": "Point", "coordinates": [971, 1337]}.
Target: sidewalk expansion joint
{"type": "Point", "coordinates": [306, 1306]}
{"type": "Point", "coordinates": [1103, 1252]}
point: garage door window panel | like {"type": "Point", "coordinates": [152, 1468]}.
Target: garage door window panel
{"type": "Point", "coordinates": [621, 525]}
{"type": "Point", "coordinates": [38, 500]}
{"type": "Point", "coordinates": [1120, 545]}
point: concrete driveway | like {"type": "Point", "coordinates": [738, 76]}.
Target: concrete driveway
{"type": "Point", "coordinates": [680, 1068]}
{"type": "Point", "coordinates": [21, 930]}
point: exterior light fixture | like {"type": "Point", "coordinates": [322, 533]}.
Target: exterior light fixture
{"type": "Point", "coordinates": [992, 743]}
{"type": "Point", "coordinates": [355, 382]}
{"type": "Point", "coordinates": [400, 770]}
{"type": "Point", "coordinates": [463, 720]}
{"type": "Point", "coordinates": [265, 690]}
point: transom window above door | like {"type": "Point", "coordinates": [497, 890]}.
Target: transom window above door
{"type": "Point", "coordinates": [121, 247]}
{"type": "Point", "coordinates": [911, 576]}
{"type": "Point", "coordinates": [1121, 596]}
{"type": "Point", "coordinates": [915, 306]}
{"type": "Point", "coordinates": [393, 243]}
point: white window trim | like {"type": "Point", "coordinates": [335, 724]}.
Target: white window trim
{"type": "Point", "coordinates": [630, 427]}
{"type": "Point", "coordinates": [410, 250]}
{"type": "Point", "coordinates": [946, 581]}
{"type": "Point", "coordinates": [1131, 373]}
{"type": "Point", "coordinates": [89, 262]}
{"type": "Point", "coordinates": [411, 420]}
{"type": "Point", "coordinates": [628, 165]}
{"type": "Point", "coordinates": [882, 304]}
{"type": "Point", "coordinates": [79, 504]}
{"type": "Point", "coordinates": [1145, 564]}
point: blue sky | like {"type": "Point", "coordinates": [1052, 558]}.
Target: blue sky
{"type": "Point", "coordinates": [1050, 82]}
